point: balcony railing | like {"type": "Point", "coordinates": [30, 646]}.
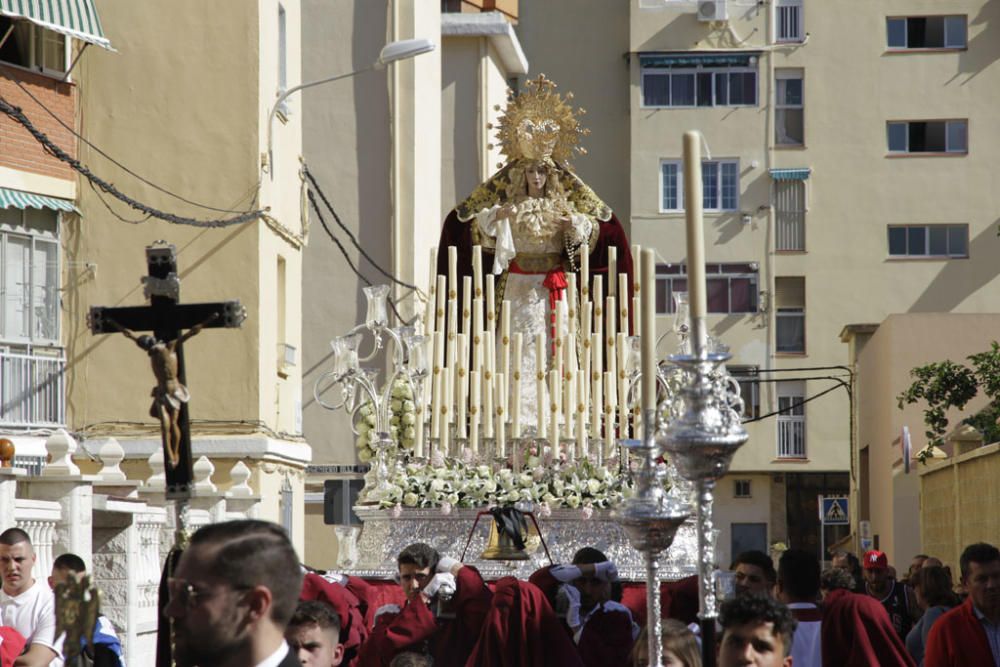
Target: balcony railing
{"type": "Point", "coordinates": [791, 437]}
{"type": "Point", "coordinates": [32, 390]}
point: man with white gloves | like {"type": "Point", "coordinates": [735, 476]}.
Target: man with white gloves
{"type": "Point", "coordinates": [427, 580]}
{"type": "Point", "coordinates": [590, 593]}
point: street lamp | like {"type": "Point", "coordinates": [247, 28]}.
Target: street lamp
{"type": "Point", "coordinates": [401, 50]}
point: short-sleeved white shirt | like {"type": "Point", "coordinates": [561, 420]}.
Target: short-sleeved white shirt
{"type": "Point", "coordinates": [33, 614]}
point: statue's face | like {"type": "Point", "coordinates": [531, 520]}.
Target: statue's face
{"type": "Point", "coordinates": [536, 175]}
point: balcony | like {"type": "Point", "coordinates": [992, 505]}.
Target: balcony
{"type": "Point", "coordinates": [32, 390]}
{"type": "Point", "coordinates": [791, 437]}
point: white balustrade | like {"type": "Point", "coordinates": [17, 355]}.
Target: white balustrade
{"type": "Point", "coordinates": [39, 518]}
{"type": "Point", "coordinates": [150, 524]}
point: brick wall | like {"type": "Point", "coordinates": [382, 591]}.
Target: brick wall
{"type": "Point", "coordinates": [18, 149]}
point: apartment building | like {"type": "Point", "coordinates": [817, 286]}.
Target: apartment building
{"type": "Point", "coordinates": [846, 173]}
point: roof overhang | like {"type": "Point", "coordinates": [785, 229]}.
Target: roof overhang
{"type": "Point", "coordinates": [495, 27]}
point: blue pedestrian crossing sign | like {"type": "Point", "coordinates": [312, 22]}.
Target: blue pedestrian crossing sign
{"type": "Point", "coordinates": [833, 511]}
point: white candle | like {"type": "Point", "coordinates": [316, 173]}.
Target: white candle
{"type": "Point", "coordinates": [648, 335]}
{"type": "Point", "coordinates": [474, 411]}
{"type": "Point", "coordinates": [452, 272]}
{"type": "Point", "coordinates": [599, 311]}
{"type": "Point", "coordinates": [466, 303]}
{"type": "Point", "coordinates": [515, 411]}
{"type": "Point", "coordinates": [581, 414]}
{"type": "Point", "coordinates": [584, 272]}
{"type": "Point", "coordinates": [505, 340]}
{"type": "Point", "coordinates": [501, 425]}
{"type": "Point", "coordinates": [491, 304]}
{"type": "Point", "coordinates": [449, 397]}
{"type": "Point", "coordinates": [695, 239]}
{"type": "Point", "coordinates": [637, 314]}
{"type": "Point", "coordinates": [489, 369]}
{"type": "Point", "coordinates": [623, 303]}
{"type": "Point", "coordinates": [558, 360]}
{"type": "Point", "coordinates": [610, 403]}
{"type": "Point", "coordinates": [555, 398]}
{"type": "Point", "coordinates": [462, 385]}
{"type": "Point", "coordinates": [452, 327]}
{"type": "Point", "coordinates": [624, 405]}
{"type": "Point", "coordinates": [571, 301]}
{"type": "Point", "coordinates": [586, 380]}
{"type": "Point", "coordinates": [541, 415]}
{"type": "Point", "coordinates": [597, 408]}
{"type": "Point", "coordinates": [431, 298]}
{"type": "Point", "coordinates": [569, 414]}
{"type": "Point", "coordinates": [611, 320]}
{"type": "Point", "coordinates": [477, 271]}
{"type": "Point", "coordinates": [477, 334]}
{"type": "Point", "coordinates": [436, 408]}
{"type": "Point", "coordinates": [636, 275]}
{"type": "Point", "coordinates": [442, 303]}
{"type": "Point", "coordinates": [612, 270]}
{"type": "Point", "coordinates": [586, 320]}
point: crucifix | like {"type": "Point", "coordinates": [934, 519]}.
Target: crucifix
{"type": "Point", "coordinates": [167, 321]}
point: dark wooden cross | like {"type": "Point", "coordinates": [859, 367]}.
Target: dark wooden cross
{"type": "Point", "coordinates": [167, 319]}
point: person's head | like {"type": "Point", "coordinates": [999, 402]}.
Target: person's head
{"type": "Point", "coordinates": [932, 587]}
{"type": "Point", "coordinates": [233, 592]}
{"type": "Point", "coordinates": [146, 342]}
{"type": "Point", "coordinates": [754, 573]}
{"type": "Point", "coordinates": [314, 635]}
{"type": "Point", "coordinates": [593, 591]}
{"type": "Point", "coordinates": [980, 565]}
{"type": "Point", "coordinates": [417, 564]}
{"type": "Point", "coordinates": [756, 630]}
{"type": "Point", "coordinates": [411, 659]}
{"type": "Point", "coordinates": [876, 570]}
{"type": "Point", "coordinates": [680, 648]}
{"type": "Point", "coordinates": [932, 561]}
{"type": "Point", "coordinates": [64, 566]}
{"type": "Point", "coordinates": [834, 579]}
{"type": "Point", "coordinates": [798, 576]}
{"type": "Point", "coordinates": [916, 564]}
{"type": "Point", "coordinates": [17, 558]}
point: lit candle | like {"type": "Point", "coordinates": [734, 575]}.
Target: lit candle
{"type": "Point", "coordinates": [695, 239]}
{"type": "Point", "coordinates": [442, 303]}
{"type": "Point", "coordinates": [462, 385]}
{"type": "Point", "coordinates": [491, 304]}
{"type": "Point", "coordinates": [515, 411]}
{"type": "Point", "coordinates": [474, 411]}
{"type": "Point", "coordinates": [555, 398]}
{"type": "Point", "coordinates": [623, 302]}
{"type": "Point", "coordinates": [612, 270]}
{"type": "Point", "coordinates": [501, 426]}
{"type": "Point", "coordinates": [584, 272]}
{"type": "Point", "coordinates": [466, 303]}
{"type": "Point", "coordinates": [540, 402]}
{"type": "Point", "coordinates": [477, 271]}
{"type": "Point", "coordinates": [648, 337]}
{"type": "Point", "coordinates": [452, 272]}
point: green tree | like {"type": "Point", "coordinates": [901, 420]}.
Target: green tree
{"type": "Point", "coordinates": [943, 385]}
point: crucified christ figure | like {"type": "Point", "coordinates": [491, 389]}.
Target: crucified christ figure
{"type": "Point", "coordinates": [169, 393]}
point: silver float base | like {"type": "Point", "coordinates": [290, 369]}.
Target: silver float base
{"type": "Point", "coordinates": [565, 531]}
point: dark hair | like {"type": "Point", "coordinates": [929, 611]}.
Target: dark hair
{"type": "Point", "coordinates": [798, 574]}
{"type": "Point", "coordinates": [745, 609]}
{"type": "Point", "coordinates": [411, 659]}
{"type": "Point", "coordinates": [316, 612]}
{"type": "Point", "coordinates": [419, 554]}
{"type": "Point", "coordinates": [836, 578]}
{"type": "Point", "coordinates": [13, 536]}
{"type": "Point", "coordinates": [980, 552]}
{"type": "Point", "coordinates": [592, 556]}
{"type": "Point", "coordinates": [935, 586]}
{"type": "Point", "coordinates": [70, 562]}
{"type": "Point", "coordinates": [924, 556]}
{"type": "Point", "coordinates": [255, 553]}
{"type": "Point", "coordinates": [757, 559]}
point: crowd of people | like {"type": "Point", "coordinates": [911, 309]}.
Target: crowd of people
{"type": "Point", "coordinates": [239, 597]}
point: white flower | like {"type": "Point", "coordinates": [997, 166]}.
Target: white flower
{"type": "Point", "coordinates": [593, 486]}
{"type": "Point", "coordinates": [411, 499]}
{"type": "Point", "coordinates": [446, 508]}
{"type": "Point", "coordinates": [364, 455]}
{"type": "Point", "coordinates": [544, 510]}
{"type": "Point", "coordinates": [573, 501]}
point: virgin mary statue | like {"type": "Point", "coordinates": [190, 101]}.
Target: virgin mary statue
{"type": "Point", "coordinates": [532, 218]}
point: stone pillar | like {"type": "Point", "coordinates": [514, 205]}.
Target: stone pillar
{"type": "Point", "coordinates": [8, 492]}
{"type": "Point", "coordinates": [241, 501]}
{"type": "Point", "coordinates": [206, 495]}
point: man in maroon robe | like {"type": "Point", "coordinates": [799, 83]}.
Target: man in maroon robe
{"type": "Point", "coordinates": [856, 630]}
{"type": "Point", "coordinates": [342, 593]}
{"type": "Point", "coordinates": [431, 583]}
{"type": "Point", "coordinates": [601, 626]}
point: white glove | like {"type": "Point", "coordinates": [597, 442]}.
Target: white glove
{"type": "Point", "coordinates": [572, 596]}
{"type": "Point", "coordinates": [565, 573]}
{"type": "Point", "coordinates": [336, 578]}
{"type": "Point", "coordinates": [606, 571]}
{"type": "Point", "coordinates": [442, 585]}
{"type": "Point", "coordinates": [446, 564]}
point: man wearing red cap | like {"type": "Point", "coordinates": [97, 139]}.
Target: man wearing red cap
{"type": "Point", "coordinates": [881, 585]}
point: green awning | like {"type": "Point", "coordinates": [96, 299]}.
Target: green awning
{"type": "Point", "coordinates": [684, 59]}
{"type": "Point", "coordinates": [76, 18]}
{"type": "Point", "coordinates": [799, 174]}
{"type": "Point", "coordinates": [22, 200]}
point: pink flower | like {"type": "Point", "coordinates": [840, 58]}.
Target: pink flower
{"type": "Point", "coordinates": [587, 511]}
{"type": "Point", "coordinates": [544, 510]}
{"type": "Point", "coordinates": [467, 456]}
{"type": "Point", "coordinates": [397, 511]}
{"type": "Point", "coordinates": [446, 508]}
{"type": "Point", "coordinates": [437, 459]}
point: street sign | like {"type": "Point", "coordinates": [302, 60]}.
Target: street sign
{"type": "Point", "coordinates": [833, 511]}
{"type": "Point", "coordinates": [865, 535]}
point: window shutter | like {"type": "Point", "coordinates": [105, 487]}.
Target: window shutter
{"type": "Point", "coordinates": [790, 292]}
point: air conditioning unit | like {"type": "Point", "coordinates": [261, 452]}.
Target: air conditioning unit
{"type": "Point", "coordinates": [713, 10]}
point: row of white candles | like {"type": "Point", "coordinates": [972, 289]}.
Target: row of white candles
{"type": "Point", "coordinates": [576, 394]}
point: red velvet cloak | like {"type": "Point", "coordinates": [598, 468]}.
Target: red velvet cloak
{"type": "Point", "coordinates": [857, 632]}
{"type": "Point", "coordinates": [351, 610]}
{"type": "Point", "coordinates": [957, 639]}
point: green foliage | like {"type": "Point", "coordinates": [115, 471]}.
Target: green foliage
{"type": "Point", "coordinates": [944, 385]}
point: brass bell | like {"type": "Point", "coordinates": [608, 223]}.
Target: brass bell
{"type": "Point", "coordinates": [510, 537]}
{"type": "Point", "coordinates": [501, 546]}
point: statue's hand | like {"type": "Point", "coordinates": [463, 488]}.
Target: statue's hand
{"type": "Point", "coordinates": [508, 211]}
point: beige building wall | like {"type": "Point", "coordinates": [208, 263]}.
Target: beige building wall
{"type": "Point", "coordinates": [184, 102]}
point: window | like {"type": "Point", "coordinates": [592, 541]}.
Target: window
{"type": "Point", "coordinates": [686, 80]}
{"type": "Point", "coordinates": [720, 180]}
{"type": "Point", "coordinates": [928, 240]}
{"type": "Point", "coordinates": [927, 32]}
{"type": "Point", "coordinates": [749, 382]}
{"type": "Point", "coordinates": [33, 47]}
{"type": "Point", "coordinates": [791, 420]}
{"type": "Point", "coordinates": [930, 136]}
{"type": "Point", "coordinates": [788, 21]}
{"type": "Point", "coordinates": [790, 314]}
{"type": "Point", "coordinates": [29, 279]}
{"type": "Point", "coordinates": [789, 127]}
{"type": "Point", "coordinates": [741, 488]}
{"type": "Point", "coordinates": [732, 288]}
{"type": "Point", "coordinates": [790, 215]}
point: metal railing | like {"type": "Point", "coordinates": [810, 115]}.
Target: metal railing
{"type": "Point", "coordinates": [32, 390]}
{"type": "Point", "coordinates": [791, 437]}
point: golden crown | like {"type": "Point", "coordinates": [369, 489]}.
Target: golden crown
{"type": "Point", "coordinates": [539, 125]}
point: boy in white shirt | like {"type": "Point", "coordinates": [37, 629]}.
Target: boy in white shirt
{"type": "Point", "coordinates": [27, 604]}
